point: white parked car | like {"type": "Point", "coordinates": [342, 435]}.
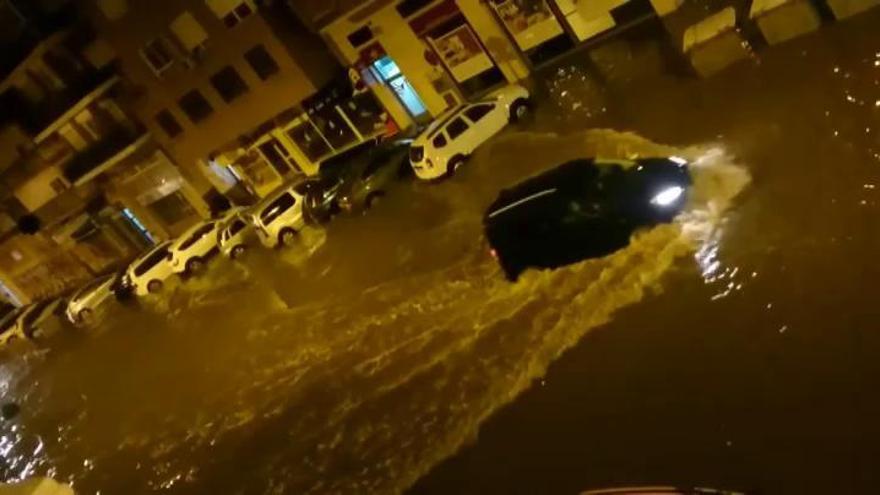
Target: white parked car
{"type": "Point", "coordinates": [449, 141]}
{"type": "Point", "coordinates": [43, 319]}
{"type": "Point", "coordinates": [147, 274]}
{"type": "Point", "coordinates": [279, 217]}
{"type": "Point", "coordinates": [236, 233]}
{"type": "Point", "coordinates": [191, 250]}
{"type": "Point", "coordinates": [89, 300]}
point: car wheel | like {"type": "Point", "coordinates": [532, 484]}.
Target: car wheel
{"type": "Point", "coordinates": [519, 110]}
{"type": "Point", "coordinates": [194, 266]}
{"type": "Point", "coordinates": [287, 237]}
{"type": "Point", "coordinates": [154, 286]}
{"type": "Point", "coordinates": [374, 198]}
{"type": "Point", "coordinates": [454, 164]}
{"type": "Point", "coordinates": [237, 252]}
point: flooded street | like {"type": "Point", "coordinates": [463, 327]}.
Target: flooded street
{"type": "Point", "coordinates": [733, 348]}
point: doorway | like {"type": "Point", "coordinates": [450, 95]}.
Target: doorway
{"type": "Point", "coordinates": [390, 74]}
{"type": "Point", "coordinates": [278, 156]}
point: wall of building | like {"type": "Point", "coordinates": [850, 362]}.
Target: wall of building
{"type": "Point", "coordinates": [224, 47]}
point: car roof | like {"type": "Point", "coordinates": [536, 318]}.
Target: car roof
{"type": "Point", "coordinates": [440, 122]}
{"type": "Point", "coordinates": [278, 191]}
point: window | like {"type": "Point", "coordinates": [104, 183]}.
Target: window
{"type": "Point", "coordinates": [172, 209]}
{"type": "Point", "coordinates": [277, 207]}
{"type": "Point", "coordinates": [235, 228]}
{"type": "Point", "coordinates": [198, 234]}
{"type": "Point", "coordinates": [477, 112]}
{"type": "Point", "coordinates": [456, 127]}
{"type": "Point", "coordinates": [168, 123]}
{"type": "Point", "coordinates": [262, 63]}
{"type": "Point", "coordinates": [228, 84]}
{"type": "Point", "coordinates": [195, 106]}
{"type": "Point", "coordinates": [439, 141]}
{"type": "Point", "coordinates": [231, 12]}
{"type": "Point", "coordinates": [360, 37]}
{"type": "Point", "coordinates": [189, 33]}
{"type": "Point", "coordinates": [309, 141]}
{"type": "Point", "coordinates": [157, 55]}
{"type": "Point", "coordinates": [150, 261]}
{"type": "Point", "coordinates": [407, 8]}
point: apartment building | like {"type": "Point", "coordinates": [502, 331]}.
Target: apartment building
{"type": "Point", "coordinates": [224, 86]}
{"type": "Point", "coordinates": [84, 186]}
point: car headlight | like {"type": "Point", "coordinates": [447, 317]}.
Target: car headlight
{"type": "Point", "coordinates": [668, 196]}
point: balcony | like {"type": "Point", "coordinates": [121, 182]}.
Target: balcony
{"type": "Point", "coordinates": [44, 117]}
{"type": "Point", "coordinates": [103, 155]}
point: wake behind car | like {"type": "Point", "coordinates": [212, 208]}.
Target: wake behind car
{"type": "Point", "coordinates": [582, 209]}
{"type": "Point", "coordinates": [447, 143]}
{"type": "Point", "coordinates": [189, 253]}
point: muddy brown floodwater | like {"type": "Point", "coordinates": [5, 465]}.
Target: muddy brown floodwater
{"type": "Point", "coordinates": [736, 347]}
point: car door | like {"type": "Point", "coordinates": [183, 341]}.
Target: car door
{"type": "Point", "coordinates": [461, 139]}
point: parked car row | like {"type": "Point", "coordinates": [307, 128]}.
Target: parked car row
{"type": "Point", "coordinates": [350, 183]}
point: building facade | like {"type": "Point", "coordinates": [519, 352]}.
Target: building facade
{"type": "Point", "coordinates": [69, 148]}
{"type": "Point", "coordinates": [421, 56]}
{"type": "Point", "coordinates": [241, 95]}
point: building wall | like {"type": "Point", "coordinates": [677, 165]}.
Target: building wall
{"type": "Point", "coordinates": [296, 79]}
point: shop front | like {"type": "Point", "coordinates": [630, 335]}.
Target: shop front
{"type": "Point", "coordinates": [155, 199]}
{"type": "Point", "coordinates": [545, 29]}
{"type": "Point", "coordinates": [294, 143]}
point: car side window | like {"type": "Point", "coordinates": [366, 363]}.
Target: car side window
{"type": "Point", "coordinates": [277, 207]}
{"type": "Point", "coordinates": [235, 228]}
{"type": "Point", "coordinates": [456, 127]}
{"type": "Point", "coordinates": [439, 140]}
{"type": "Point", "coordinates": [150, 262]}
{"type": "Point", "coordinates": [477, 112]}
{"type": "Point", "coordinates": [198, 234]}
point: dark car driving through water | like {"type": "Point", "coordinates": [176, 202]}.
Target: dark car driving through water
{"type": "Point", "coordinates": [582, 209]}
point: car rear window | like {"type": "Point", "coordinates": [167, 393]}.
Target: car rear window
{"type": "Point", "coordinates": [151, 260]}
{"type": "Point", "coordinates": [416, 153]}
{"type": "Point", "coordinates": [275, 208]}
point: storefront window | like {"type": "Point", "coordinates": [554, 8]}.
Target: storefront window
{"type": "Point", "coordinates": [255, 168]}
{"type": "Point", "coordinates": [309, 141]}
{"type": "Point", "coordinates": [530, 22]}
{"type": "Point", "coordinates": [172, 208]}
{"type": "Point", "coordinates": [333, 127]}
{"type": "Point", "coordinates": [365, 113]}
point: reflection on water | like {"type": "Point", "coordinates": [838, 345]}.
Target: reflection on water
{"type": "Point", "coordinates": [357, 371]}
